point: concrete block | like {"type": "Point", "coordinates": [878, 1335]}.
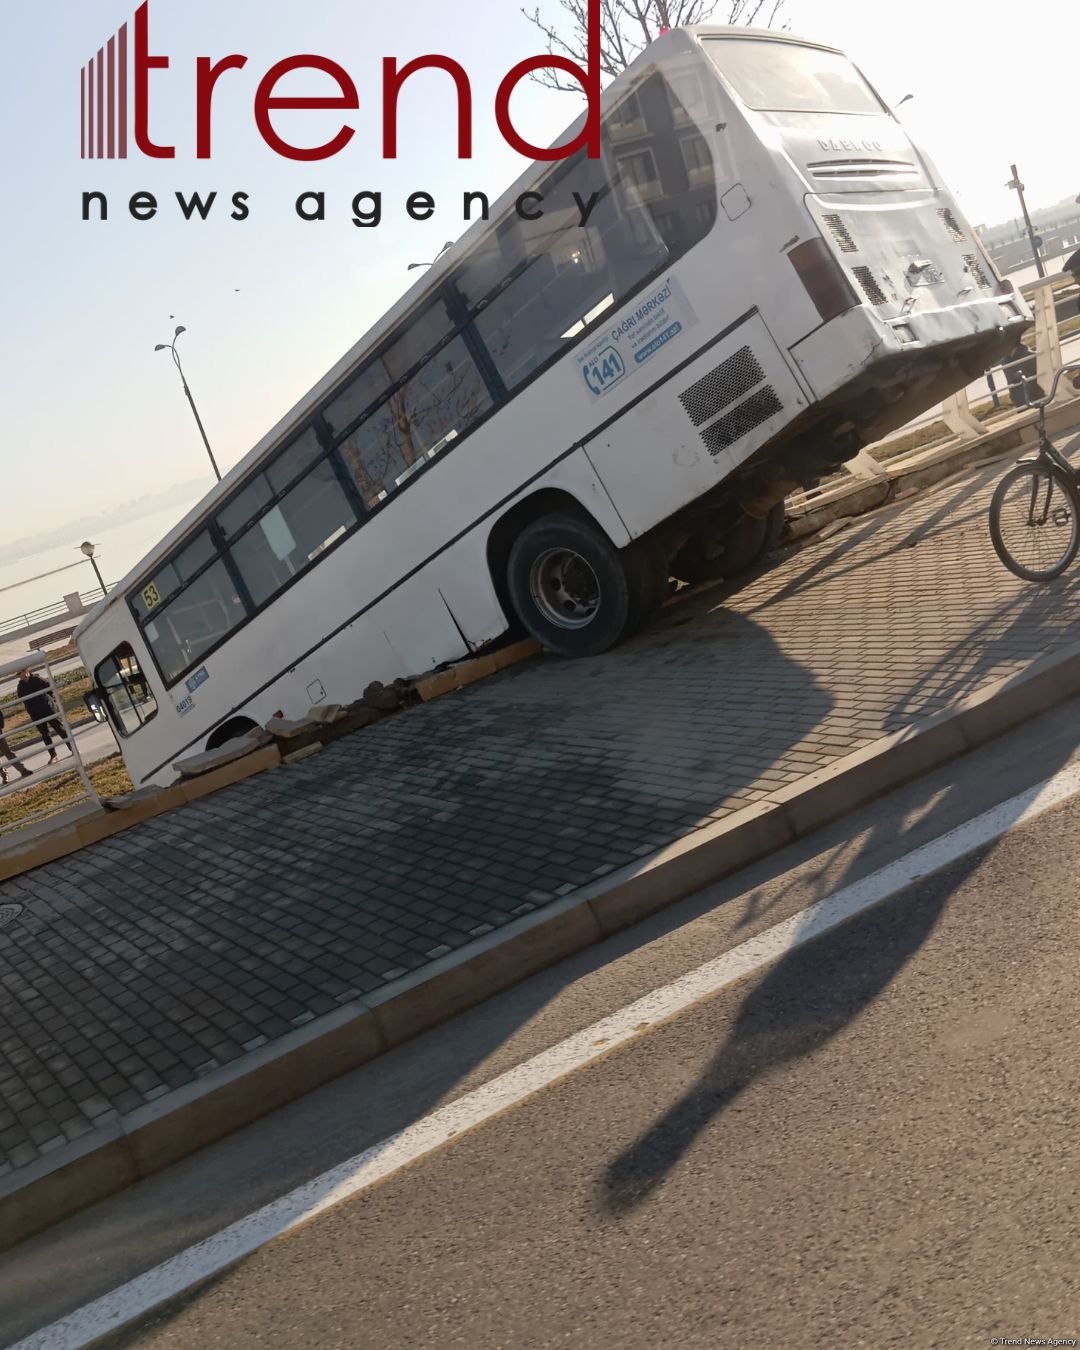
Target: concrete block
{"type": "Point", "coordinates": [269, 757]}
{"type": "Point", "coordinates": [469, 672]}
{"type": "Point", "coordinates": [435, 686]}
{"type": "Point", "coordinates": [827, 794]}
{"type": "Point", "coordinates": [80, 1174]}
{"type": "Point", "coordinates": [298, 756]}
{"type": "Point", "coordinates": [230, 1098]}
{"type": "Point", "coordinates": [284, 729]}
{"type": "Point", "coordinates": [326, 713]}
{"type": "Point", "coordinates": [145, 804]}
{"type": "Point", "coordinates": [520, 651]}
{"type": "Point", "coordinates": [999, 707]}
{"type": "Point", "coordinates": [494, 963]}
{"type": "Point", "coordinates": [39, 852]}
{"type": "Point", "coordinates": [686, 866]}
{"type": "Point", "coordinates": [98, 827]}
{"type": "Point", "coordinates": [215, 759]}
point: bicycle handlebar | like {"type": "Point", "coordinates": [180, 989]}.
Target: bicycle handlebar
{"type": "Point", "coordinates": [1043, 404]}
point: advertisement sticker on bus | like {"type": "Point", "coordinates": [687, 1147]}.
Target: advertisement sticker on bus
{"type": "Point", "coordinates": [661, 317]}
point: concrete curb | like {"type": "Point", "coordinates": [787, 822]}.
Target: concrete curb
{"type": "Point", "coordinates": [147, 1140]}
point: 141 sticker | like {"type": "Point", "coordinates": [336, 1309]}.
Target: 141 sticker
{"type": "Point", "coordinates": [604, 370]}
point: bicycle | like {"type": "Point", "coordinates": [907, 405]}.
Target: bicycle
{"type": "Point", "coordinates": [1035, 510]}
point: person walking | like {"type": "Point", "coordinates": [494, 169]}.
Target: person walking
{"type": "Point", "coordinates": [39, 705]}
{"type": "Point", "coordinates": [10, 755]}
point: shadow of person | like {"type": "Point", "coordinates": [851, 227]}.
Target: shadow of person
{"type": "Point", "coordinates": [809, 997]}
{"type": "Point", "coordinates": [817, 990]}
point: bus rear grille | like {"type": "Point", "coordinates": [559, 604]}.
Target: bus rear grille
{"type": "Point", "coordinates": [721, 387]}
{"type": "Point", "coordinates": [841, 233]}
{"type": "Point", "coordinates": [758, 408]}
{"type": "Point", "coordinates": [975, 270]}
{"type": "Point", "coordinates": [952, 225]}
{"type": "Point", "coordinates": [863, 168]}
{"type": "Point", "coordinates": [871, 289]}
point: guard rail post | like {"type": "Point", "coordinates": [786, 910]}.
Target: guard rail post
{"type": "Point", "coordinates": [1047, 338]}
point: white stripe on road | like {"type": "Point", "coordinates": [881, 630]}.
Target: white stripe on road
{"type": "Point", "coordinates": [215, 1254]}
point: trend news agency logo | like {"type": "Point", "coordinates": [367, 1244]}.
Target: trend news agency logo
{"type": "Point", "coordinates": [104, 99]}
{"type": "Point", "coordinates": [114, 90]}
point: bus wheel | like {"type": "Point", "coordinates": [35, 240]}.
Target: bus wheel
{"type": "Point", "coordinates": [570, 586]}
{"type": "Point", "coordinates": [774, 527]}
{"type": "Point", "coordinates": [230, 731]}
{"type": "Point", "coordinates": [647, 570]}
{"type": "Point", "coordinates": [743, 545]}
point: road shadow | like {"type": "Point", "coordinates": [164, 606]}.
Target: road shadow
{"type": "Point", "coordinates": [819, 989]}
{"type": "Point", "coordinates": [542, 780]}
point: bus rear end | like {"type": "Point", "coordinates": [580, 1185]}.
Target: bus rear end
{"type": "Point", "coordinates": [909, 308]}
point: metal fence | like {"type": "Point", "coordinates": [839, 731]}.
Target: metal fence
{"type": "Point", "coordinates": [33, 618]}
{"type": "Point", "coordinates": [43, 728]}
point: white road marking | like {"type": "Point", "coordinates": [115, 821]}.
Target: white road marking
{"type": "Point", "coordinates": [210, 1257]}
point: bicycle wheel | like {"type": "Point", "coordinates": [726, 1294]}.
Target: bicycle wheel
{"type": "Point", "coordinates": [1035, 521]}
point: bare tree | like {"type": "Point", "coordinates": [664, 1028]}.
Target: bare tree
{"type": "Point", "coordinates": [628, 26]}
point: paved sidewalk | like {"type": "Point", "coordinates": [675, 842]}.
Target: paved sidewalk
{"type": "Point", "coordinates": [138, 966]}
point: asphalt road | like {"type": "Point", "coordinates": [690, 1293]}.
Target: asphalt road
{"type": "Point", "coordinates": [874, 1143]}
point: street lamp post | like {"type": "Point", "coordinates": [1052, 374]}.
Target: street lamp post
{"type": "Point", "coordinates": [87, 548]}
{"type": "Point", "coordinates": [1018, 188]}
{"type": "Point", "coordinates": [413, 266]}
{"type": "Point", "coordinates": [171, 347]}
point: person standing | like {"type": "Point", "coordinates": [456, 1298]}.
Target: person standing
{"type": "Point", "coordinates": [38, 702]}
{"type": "Point", "coordinates": [10, 755]}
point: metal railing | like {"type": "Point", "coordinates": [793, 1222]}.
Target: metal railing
{"type": "Point", "coordinates": [15, 749]}
{"type": "Point", "coordinates": [32, 618]}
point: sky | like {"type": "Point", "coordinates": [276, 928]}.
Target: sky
{"type": "Point", "coordinates": [95, 418]}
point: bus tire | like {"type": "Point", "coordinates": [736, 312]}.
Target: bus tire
{"type": "Point", "coordinates": [572, 589]}
{"type": "Point", "coordinates": [774, 527]}
{"type": "Point", "coordinates": [646, 563]}
{"type": "Point", "coordinates": [743, 546]}
{"type": "Point", "coordinates": [230, 731]}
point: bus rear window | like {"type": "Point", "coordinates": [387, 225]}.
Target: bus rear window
{"type": "Point", "coordinates": [781, 77]}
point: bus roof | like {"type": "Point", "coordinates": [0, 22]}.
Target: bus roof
{"type": "Point", "coordinates": [412, 299]}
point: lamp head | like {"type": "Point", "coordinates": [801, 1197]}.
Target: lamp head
{"type": "Point", "coordinates": [179, 330]}
{"type": "Point", "coordinates": [161, 347]}
{"type": "Point", "coordinates": [88, 548]}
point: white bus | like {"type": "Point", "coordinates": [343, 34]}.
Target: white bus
{"type": "Point", "coordinates": [559, 417]}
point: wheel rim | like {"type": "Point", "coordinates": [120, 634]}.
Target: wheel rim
{"type": "Point", "coordinates": [1037, 522]}
{"type": "Point", "coordinates": [564, 588]}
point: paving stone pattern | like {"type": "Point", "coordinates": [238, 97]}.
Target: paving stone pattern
{"type": "Point", "coordinates": [149, 960]}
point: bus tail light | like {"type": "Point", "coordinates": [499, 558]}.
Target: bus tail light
{"type": "Point", "coordinates": [823, 278]}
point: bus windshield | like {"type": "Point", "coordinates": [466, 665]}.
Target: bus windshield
{"type": "Point", "coordinates": [779, 77]}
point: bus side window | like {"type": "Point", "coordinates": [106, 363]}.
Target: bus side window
{"type": "Point", "coordinates": [562, 271]}
{"type": "Point", "coordinates": [126, 690]}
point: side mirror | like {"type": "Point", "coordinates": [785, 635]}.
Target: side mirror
{"type": "Point", "coordinates": [95, 701]}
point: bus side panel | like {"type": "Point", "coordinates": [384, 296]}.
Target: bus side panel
{"type": "Point", "coordinates": [691, 433]}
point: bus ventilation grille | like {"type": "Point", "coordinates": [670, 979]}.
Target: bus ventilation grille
{"type": "Point", "coordinates": [731, 380]}
{"type": "Point", "coordinates": [871, 289]}
{"type": "Point", "coordinates": [740, 421]}
{"type": "Point", "coordinates": [975, 270]}
{"type": "Point", "coordinates": [956, 234]}
{"type": "Point", "coordinates": [841, 233]}
{"type": "Point", "coordinates": [863, 168]}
